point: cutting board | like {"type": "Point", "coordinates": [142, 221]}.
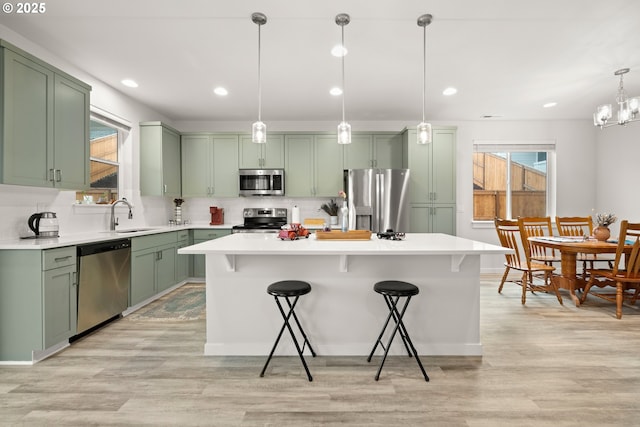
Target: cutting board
{"type": "Point", "coordinates": [344, 235]}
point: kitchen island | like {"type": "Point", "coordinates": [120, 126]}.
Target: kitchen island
{"type": "Point", "coordinates": [342, 315]}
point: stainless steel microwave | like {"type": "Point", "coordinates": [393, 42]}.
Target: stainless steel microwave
{"type": "Point", "coordinates": [261, 182]}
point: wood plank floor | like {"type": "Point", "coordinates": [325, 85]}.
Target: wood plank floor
{"type": "Point", "coordinates": [543, 365]}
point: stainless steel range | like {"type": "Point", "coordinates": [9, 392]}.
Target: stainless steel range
{"type": "Point", "coordinates": [261, 220]}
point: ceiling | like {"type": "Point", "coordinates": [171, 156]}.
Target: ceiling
{"type": "Point", "coordinates": [506, 57]}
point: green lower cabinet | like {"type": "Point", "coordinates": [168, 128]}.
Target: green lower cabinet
{"type": "Point", "coordinates": [433, 219]}
{"type": "Point", "coordinates": [38, 301]}
{"type": "Point", "coordinates": [199, 236]}
{"type": "Point", "coordinates": [153, 265]}
{"type": "Point", "coordinates": [60, 304]}
{"type": "Point", "coordinates": [183, 263]}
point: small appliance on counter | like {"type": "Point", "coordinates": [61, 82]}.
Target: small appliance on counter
{"type": "Point", "coordinates": [217, 215]}
{"type": "Point", "coordinates": [44, 224]}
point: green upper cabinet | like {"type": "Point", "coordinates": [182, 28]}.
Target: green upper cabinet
{"type": "Point", "coordinates": [359, 154]}
{"type": "Point", "coordinates": [45, 124]}
{"type": "Point", "coordinates": [159, 160]}
{"type": "Point", "coordinates": [299, 174]}
{"type": "Point", "coordinates": [261, 156]}
{"type": "Point", "coordinates": [314, 166]}
{"type": "Point", "coordinates": [210, 165]}
{"type": "Point", "coordinates": [433, 166]}
{"type": "Point", "coordinates": [374, 151]}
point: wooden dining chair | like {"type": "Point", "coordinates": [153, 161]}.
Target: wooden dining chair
{"type": "Point", "coordinates": [581, 226]}
{"type": "Point", "coordinates": [511, 236]}
{"type": "Point", "coordinates": [626, 281]}
{"type": "Point", "coordinates": [536, 226]}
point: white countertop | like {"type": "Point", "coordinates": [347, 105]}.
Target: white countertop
{"type": "Point", "coordinates": [413, 244]}
{"type": "Point", "coordinates": [99, 236]}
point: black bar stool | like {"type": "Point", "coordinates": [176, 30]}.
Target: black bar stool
{"type": "Point", "coordinates": [392, 291]}
{"type": "Point", "coordinates": [288, 289]}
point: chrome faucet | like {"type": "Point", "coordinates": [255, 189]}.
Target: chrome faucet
{"type": "Point", "coordinates": [114, 220]}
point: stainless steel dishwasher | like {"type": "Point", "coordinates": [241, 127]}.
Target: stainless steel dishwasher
{"type": "Point", "coordinates": [104, 278]}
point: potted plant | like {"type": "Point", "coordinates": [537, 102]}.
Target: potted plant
{"type": "Point", "coordinates": [331, 208]}
{"type": "Point", "coordinates": [601, 230]}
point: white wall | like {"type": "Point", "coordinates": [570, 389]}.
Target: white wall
{"type": "Point", "coordinates": [617, 185]}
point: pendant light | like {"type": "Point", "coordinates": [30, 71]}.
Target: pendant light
{"type": "Point", "coordinates": [259, 129]}
{"type": "Point", "coordinates": [424, 128]}
{"type": "Point", "coordinates": [344, 128]}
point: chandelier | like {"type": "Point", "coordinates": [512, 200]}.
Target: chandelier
{"type": "Point", "coordinates": [627, 107]}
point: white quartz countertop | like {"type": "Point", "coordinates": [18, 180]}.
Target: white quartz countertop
{"type": "Point", "coordinates": [413, 244]}
{"type": "Point", "coordinates": [68, 239]}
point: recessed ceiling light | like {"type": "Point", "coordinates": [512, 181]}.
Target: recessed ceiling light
{"type": "Point", "coordinates": [450, 91]}
{"type": "Point", "coordinates": [129, 83]}
{"type": "Point", "coordinates": [221, 91]}
{"type": "Point", "coordinates": [339, 51]}
{"type": "Point", "coordinates": [335, 91]}
{"type": "Point", "coordinates": [550, 104]}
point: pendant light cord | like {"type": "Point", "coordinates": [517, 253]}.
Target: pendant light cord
{"type": "Point", "coordinates": [259, 78]}
{"type": "Point", "coordinates": [424, 71]}
{"type": "Point", "coordinates": [344, 52]}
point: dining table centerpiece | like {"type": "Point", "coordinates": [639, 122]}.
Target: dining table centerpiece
{"type": "Point", "coordinates": [603, 220]}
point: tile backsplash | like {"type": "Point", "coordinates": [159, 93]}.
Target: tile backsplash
{"type": "Point", "coordinates": [17, 203]}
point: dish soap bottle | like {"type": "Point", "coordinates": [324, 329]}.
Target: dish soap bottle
{"type": "Point", "coordinates": [344, 211]}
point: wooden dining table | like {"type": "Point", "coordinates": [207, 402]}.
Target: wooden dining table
{"type": "Point", "coordinates": [569, 248]}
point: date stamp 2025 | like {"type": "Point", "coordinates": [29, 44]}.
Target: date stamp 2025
{"type": "Point", "coordinates": [32, 8]}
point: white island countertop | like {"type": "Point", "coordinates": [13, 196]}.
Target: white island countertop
{"type": "Point", "coordinates": [413, 244]}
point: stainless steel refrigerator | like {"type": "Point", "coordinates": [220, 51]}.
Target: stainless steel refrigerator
{"type": "Point", "coordinates": [378, 199]}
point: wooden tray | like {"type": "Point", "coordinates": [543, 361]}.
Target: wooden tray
{"type": "Point", "coordinates": [347, 235]}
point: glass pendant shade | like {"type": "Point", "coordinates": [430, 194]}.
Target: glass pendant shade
{"type": "Point", "coordinates": [344, 133]}
{"type": "Point", "coordinates": [259, 133]}
{"type": "Point", "coordinates": [424, 133]}
{"type": "Point", "coordinates": [634, 105]}
{"type": "Point", "coordinates": [602, 114]}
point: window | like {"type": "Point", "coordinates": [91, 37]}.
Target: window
{"type": "Point", "coordinates": [512, 180]}
{"type": "Point", "coordinates": [105, 139]}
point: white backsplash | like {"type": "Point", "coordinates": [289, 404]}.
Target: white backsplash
{"type": "Point", "coordinates": [18, 203]}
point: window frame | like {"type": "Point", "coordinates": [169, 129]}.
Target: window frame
{"type": "Point", "coordinates": [124, 129]}
{"type": "Point", "coordinates": [509, 147]}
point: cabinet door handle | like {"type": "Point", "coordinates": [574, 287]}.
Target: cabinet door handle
{"type": "Point", "coordinates": [62, 258]}
{"type": "Point", "coordinates": [52, 175]}
{"type": "Point", "coordinates": [58, 175]}
{"type": "Point", "coordinates": [165, 188]}
{"type": "Point", "coordinates": [74, 279]}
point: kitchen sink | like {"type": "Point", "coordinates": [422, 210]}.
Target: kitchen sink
{"type": "Point", "coordinates": [133, 230]}
{"type": "Point", "coordinates": [130, 230]}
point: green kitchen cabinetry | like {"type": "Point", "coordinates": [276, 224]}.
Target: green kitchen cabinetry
{"type": "Point", "coordinates": [182, 261]}
{"type": "Point", "coordinates": [374, 151]}
{"type": "Point", "coordinates": [45, 123]}
{"type": "Point", "coordinates": [313, 166]}
{"type": "Point", "coordinates": [261, 156]}
{"type": "Point", "coordinates": [153, 265]}
{"type": "Point", "coordinates": [203, 235]}
{"type": "Point", "coordinates": [433, 181]}
{"type": "Point", "coordinates": [210, 165]}
{"type": "Point", "coordinates": [159, 160]}
{"type": "Point", "coordinates": [38, 301]}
